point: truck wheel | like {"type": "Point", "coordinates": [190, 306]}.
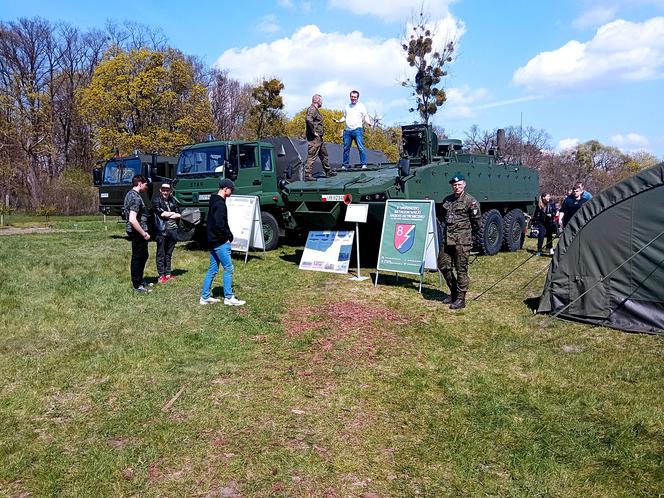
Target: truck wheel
{"type": "Point", "coordinates": [490, 236]}
{"type": "Point", "coordinates": [270, 231]}
{"type": "Point", "coordinates": [514, 224]}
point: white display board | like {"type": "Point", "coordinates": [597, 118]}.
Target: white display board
{"type": "Point", "coordinates": [244, 220]}
{"type": "Point", "coordinates": [327, 251]}
{"type": "Point", "coordinates": [357, 213]}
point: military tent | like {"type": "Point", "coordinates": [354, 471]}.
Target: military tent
{"type": "Point", "coordinates": [608, 267]}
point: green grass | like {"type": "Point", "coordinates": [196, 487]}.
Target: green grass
{"type": "Point", "coordinates": [318, 385]}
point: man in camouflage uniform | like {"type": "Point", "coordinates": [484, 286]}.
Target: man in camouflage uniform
{"type": "Point", "coordinates": [461, 216]}
{"type": "Point", "coordinates": [315, 145]}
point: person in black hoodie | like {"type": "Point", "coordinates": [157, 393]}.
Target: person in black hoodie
{"type": "Point", "coordinates": [219, 239]}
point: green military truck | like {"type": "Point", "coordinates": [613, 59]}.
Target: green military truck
{"type": "Point", "coordinates": [262, 168]}
{"type": "Point", "coordinates": [506, 192]}
{"type": "Point", "coordinates": [113, 178]}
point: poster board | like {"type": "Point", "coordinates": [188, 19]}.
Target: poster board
{"type": "Point", "coordinates": [357, 213]}
{"type": "Point", "coordinates": [409, 239]}
{"type": "Point", "coordinates": [244, 220]}
{"type": "Point", "coordinates": [327, 251]}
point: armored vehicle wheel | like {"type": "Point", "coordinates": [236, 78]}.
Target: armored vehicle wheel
{"type": "Point", "coordinates": [514, 225]}
{"type": "Point", "coordinates": [489, 239]}
{"type": "Point", "coordinates": [270, 231]}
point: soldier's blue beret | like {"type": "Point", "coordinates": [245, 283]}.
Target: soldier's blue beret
{"type": "Point", "coordinates": [458, 177]}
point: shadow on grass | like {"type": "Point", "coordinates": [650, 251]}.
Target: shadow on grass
{"type": "Point", "coordinates": [294, 258]}
{"type": "Point", "coordinates": [431, 291]}
{"type": "Point", "coordinates": [532, 303]}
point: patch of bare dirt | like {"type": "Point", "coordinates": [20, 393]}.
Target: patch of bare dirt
{"type": "Point", "coordinates": [24, 230]}
{"type": "Point", "coordinates": [353, 331]}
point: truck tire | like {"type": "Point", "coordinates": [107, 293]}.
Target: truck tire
{"type": "Point", "coordinates": [270, 231]}
{"type": "Point", "coordinates": [489, 239]}
{"type": "Point", "coordinates": [514, 225]}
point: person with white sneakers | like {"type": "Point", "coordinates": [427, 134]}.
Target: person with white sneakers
{"type": "Point", "coordinates": [219, 240]}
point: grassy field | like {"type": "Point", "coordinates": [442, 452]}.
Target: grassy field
{"type": "Point", "coordinates": [319, 386]}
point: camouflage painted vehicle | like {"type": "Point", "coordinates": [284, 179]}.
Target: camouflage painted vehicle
{"type": "Point", "coordinates": [506, 192]}
{"type": "Point", "coordinates": [113, 178]}
{"type": "Point", "coordinates": [262, 168]}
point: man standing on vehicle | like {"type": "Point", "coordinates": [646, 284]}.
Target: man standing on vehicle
{"type": "Point", "coordinates": [315, 145]}
{"type": "Point", "coordinates": [219, 240]}
{"type": "Point", "coordinates": [461, 215]}
{"type": "Point", "coordinates": [355, 115]}
{"type": "Point", "coordinates": [136, 215]}
{"type": "Point", "coordinates": [166, 216]}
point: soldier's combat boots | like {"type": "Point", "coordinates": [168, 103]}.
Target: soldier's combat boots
{"type": "Point", "coordinates": [452, 285]}
{"type": "Point", "coordinates": [449, 299]}
{"type": "Point", "coordinates": [459, 302]}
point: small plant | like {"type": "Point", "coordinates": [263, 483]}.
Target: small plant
{"type": "Point", "coordinates": [46, 210]}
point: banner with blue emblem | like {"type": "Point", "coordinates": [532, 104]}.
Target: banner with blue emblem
{"type": "Point", "coordinates": [409, 242]}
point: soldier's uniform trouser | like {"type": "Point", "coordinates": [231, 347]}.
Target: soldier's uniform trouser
{"type": "Point", "coordinates": [455, 256]}
{"type": "Point", "coordinates": [316, 148]}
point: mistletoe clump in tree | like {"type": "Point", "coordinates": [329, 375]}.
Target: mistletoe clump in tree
{"type": "Point", "coordinates": [429, 70]}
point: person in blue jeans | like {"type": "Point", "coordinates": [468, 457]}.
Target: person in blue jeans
{"type": "Point", "coordinates": [219, 240]}
{"type": "Point", "coordinates": [355, 115]}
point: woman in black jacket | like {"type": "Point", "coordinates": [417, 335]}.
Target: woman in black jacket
{"type": "Point", "coordinates": [545, 213]}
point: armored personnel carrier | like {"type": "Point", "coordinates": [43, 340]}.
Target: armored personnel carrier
{"type": "Point", "coordinates": [506, 192]}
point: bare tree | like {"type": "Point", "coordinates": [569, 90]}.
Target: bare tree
{"type": "Point", "coordinates": [132, 35]}
{"type": "Point", "coordinates": [231, 104]}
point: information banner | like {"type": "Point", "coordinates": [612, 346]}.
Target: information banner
{"type": "Point", "coordinates": [327, 251]}
{"type": "Point", "coordinates": [244, 220]}
{"type": "Point", "coordinates": [409, 238]}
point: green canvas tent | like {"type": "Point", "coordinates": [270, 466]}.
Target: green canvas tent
{"type": "Point", "coordinates": [608, 267]}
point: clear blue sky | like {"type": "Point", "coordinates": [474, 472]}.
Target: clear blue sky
{"type": "Point", "coordinates": [581, 70]}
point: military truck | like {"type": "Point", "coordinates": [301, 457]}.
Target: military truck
{"type": "Point", "coordinates": [262, 168]}
{"type": "Point", "coordinates": [506, 192]}
{"type": "Point", "coordinates": [113, 178]}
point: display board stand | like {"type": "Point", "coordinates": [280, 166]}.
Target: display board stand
{"type": "Point", "coordinates": [409, 239]}
{"type": "Point", "coordinates": [244, 220]}
{"type": "Point", "coordinates": [357, 213]}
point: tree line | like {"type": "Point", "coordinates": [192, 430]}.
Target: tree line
{"type": "Point", "coordinates": [71, 98]}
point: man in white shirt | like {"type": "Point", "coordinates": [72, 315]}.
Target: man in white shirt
{"type": "Point", "coordinates": [355, 114]}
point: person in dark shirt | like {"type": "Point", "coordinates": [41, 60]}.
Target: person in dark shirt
{"type": "Point", "coordinates": [573, 203]}
{"type": "Point", "coordinates": [136, 215]}
{"type": "Point", "coordinates": [166, 216]}
{"type": "Point", "coordinates": [219, 239]}
{"type": "Point", "coordinates": [544, 218]}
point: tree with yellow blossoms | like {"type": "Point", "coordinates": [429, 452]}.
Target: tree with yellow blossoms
{"type": "Point", "coordinates": [146, 100]}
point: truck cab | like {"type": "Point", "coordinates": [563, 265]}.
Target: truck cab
{"type": "Point", "coordinates": [113, 178]}
{"type": "Point", "coordinates": [252, 166]}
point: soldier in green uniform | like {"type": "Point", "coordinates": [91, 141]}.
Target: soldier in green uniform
{"type": "Point", "coordinates": [315, 145]}
{"type": "Point", "coordinates": [461, 216]}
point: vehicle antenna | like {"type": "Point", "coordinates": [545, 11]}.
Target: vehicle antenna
{"type": "Point", "coordinates": [521, 139]}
